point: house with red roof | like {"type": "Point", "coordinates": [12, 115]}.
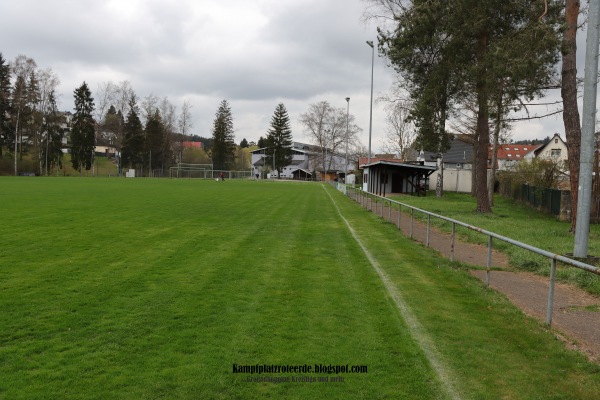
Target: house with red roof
{"type": "Point", "coordinates": [509, 154]}
{"type": "Point", "coordinates": [197, 145]}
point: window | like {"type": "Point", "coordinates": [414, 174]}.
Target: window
{"type": "Point", "coordinates": [366, 178]}
{"type": "Point", "coordinates": [510, 155]}
{"type": "Point", "coordinates": [555, 152]}
{"type": "Point", "coordinates": [555, 140]}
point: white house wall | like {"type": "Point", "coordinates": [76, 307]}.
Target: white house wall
{"type": "Point", "coordinates": [555, 144]}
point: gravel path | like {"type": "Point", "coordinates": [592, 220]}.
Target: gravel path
{"type": "Point", "coordinates": [576, 316]}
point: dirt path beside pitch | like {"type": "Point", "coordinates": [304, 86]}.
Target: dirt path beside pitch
{"type": "Point", "coordinates": [576, 315]}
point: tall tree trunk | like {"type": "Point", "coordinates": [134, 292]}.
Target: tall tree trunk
{"type": "Point", "coordinates": [568, 92]}
{"type": "Point", "coordinates": [16, 138]}
{"type": "Point", "coordinates": [475, 145]}
{"type": "Point", "coordinates": [439, 185]}
{"type": "Point", "coordinates": [492, 180]}
{"type": "Point", "coordinates": [483, 129]}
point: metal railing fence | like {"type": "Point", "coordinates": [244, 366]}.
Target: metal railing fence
{"type": "Point", "coordinates": [366, 200]}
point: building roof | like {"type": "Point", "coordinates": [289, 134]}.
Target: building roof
{"type": "Point", "coordinates": [460, 151]}
{"type": "Point", "coordinates": [192, 144]}
{"type": "Point", "coordinates": [303, 170]}
{"type": "Point", "coordinates": [401, 165]}
{"type": "Point", "coordinates": [515, 152]}
{"type": "Point", "coordinates": [362, 161]}
{"type": "Point", "coordinates": [297, 147]}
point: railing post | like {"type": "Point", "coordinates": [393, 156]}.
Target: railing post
{"type": "Point", "coordinates": [399, 213]}
{"type": "Point", "coordinates": [489, 262]}
{"type": "Point", "coordinates": [428, 228]}
{"type": "Point", "coordinates": [390, 212]}
{"type": "Point", "coordinates": [412, 217]}
{"type": "Point", "coordinates": [452, 243]}
{"type": "Point", "coordinates": [551, 293]}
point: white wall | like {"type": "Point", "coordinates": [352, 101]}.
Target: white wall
{"type": "Point", "coordinates": [455, 180]}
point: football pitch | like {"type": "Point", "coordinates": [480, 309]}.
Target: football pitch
{"type": "Point", "coordinates": [165, 288]}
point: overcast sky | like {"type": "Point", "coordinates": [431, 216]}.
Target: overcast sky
{"type": "Point", "coordinates": [253, 53]}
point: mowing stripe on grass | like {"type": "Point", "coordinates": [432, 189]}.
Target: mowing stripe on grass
{"type": "Point", "coordinates": [416, 329]}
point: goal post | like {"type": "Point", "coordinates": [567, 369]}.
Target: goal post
{"type": "Point", "coordinates": [185, 170]}
{"type": "Point", "coordinates": [205, 171]}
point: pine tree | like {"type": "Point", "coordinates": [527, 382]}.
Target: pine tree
{"type": "Point", "coordinates": [451, 51]}
{"type": "Point", "coordinates": [223, 149]}
{"type": "Point", "coordinates": [133, 137]}
{"type": "Point", "coordinates": [52, 148]}
{"type": "Point", "coordinates": [83, 133]}
{"type": "Point", "coordinates": [279, 138]}
{"type": "Point", "coordinates": [571, 118]}
{"type": "Point", "coordinates": [262, 143]}
{"type": "Point", "coordinates": [155, 135]}
{"type": "Point", "coordinates": [5, 128]}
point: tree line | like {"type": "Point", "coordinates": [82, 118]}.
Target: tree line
{"type": "Point", "coordinates": [465, 66]}
{"type": "Point", "coordinates": [30, 123]}
{"type": "Point", "coordinates": [144, 134]}
{"type": "Point", "coordinates": [33, 131]}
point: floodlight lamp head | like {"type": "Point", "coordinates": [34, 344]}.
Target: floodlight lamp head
{"type": "Point", "coordinates": [370, 43]}
{"type": "Point", "coordinates": [348, 99]}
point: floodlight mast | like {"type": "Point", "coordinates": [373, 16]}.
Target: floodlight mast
{"type": "Point", "coordinates": [347, 122]}
{"type": "Point", "coordinates": [370, 43]}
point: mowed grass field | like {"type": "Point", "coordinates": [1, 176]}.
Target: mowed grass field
{"type": "Point", "coordinates": [149, 289]}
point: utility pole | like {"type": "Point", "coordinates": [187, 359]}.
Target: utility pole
{"type": "Point", "coordinates": [586, 159]}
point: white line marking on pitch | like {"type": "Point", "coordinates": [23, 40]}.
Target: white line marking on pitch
{"type": "Point", "coordinates": [416, 329]}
